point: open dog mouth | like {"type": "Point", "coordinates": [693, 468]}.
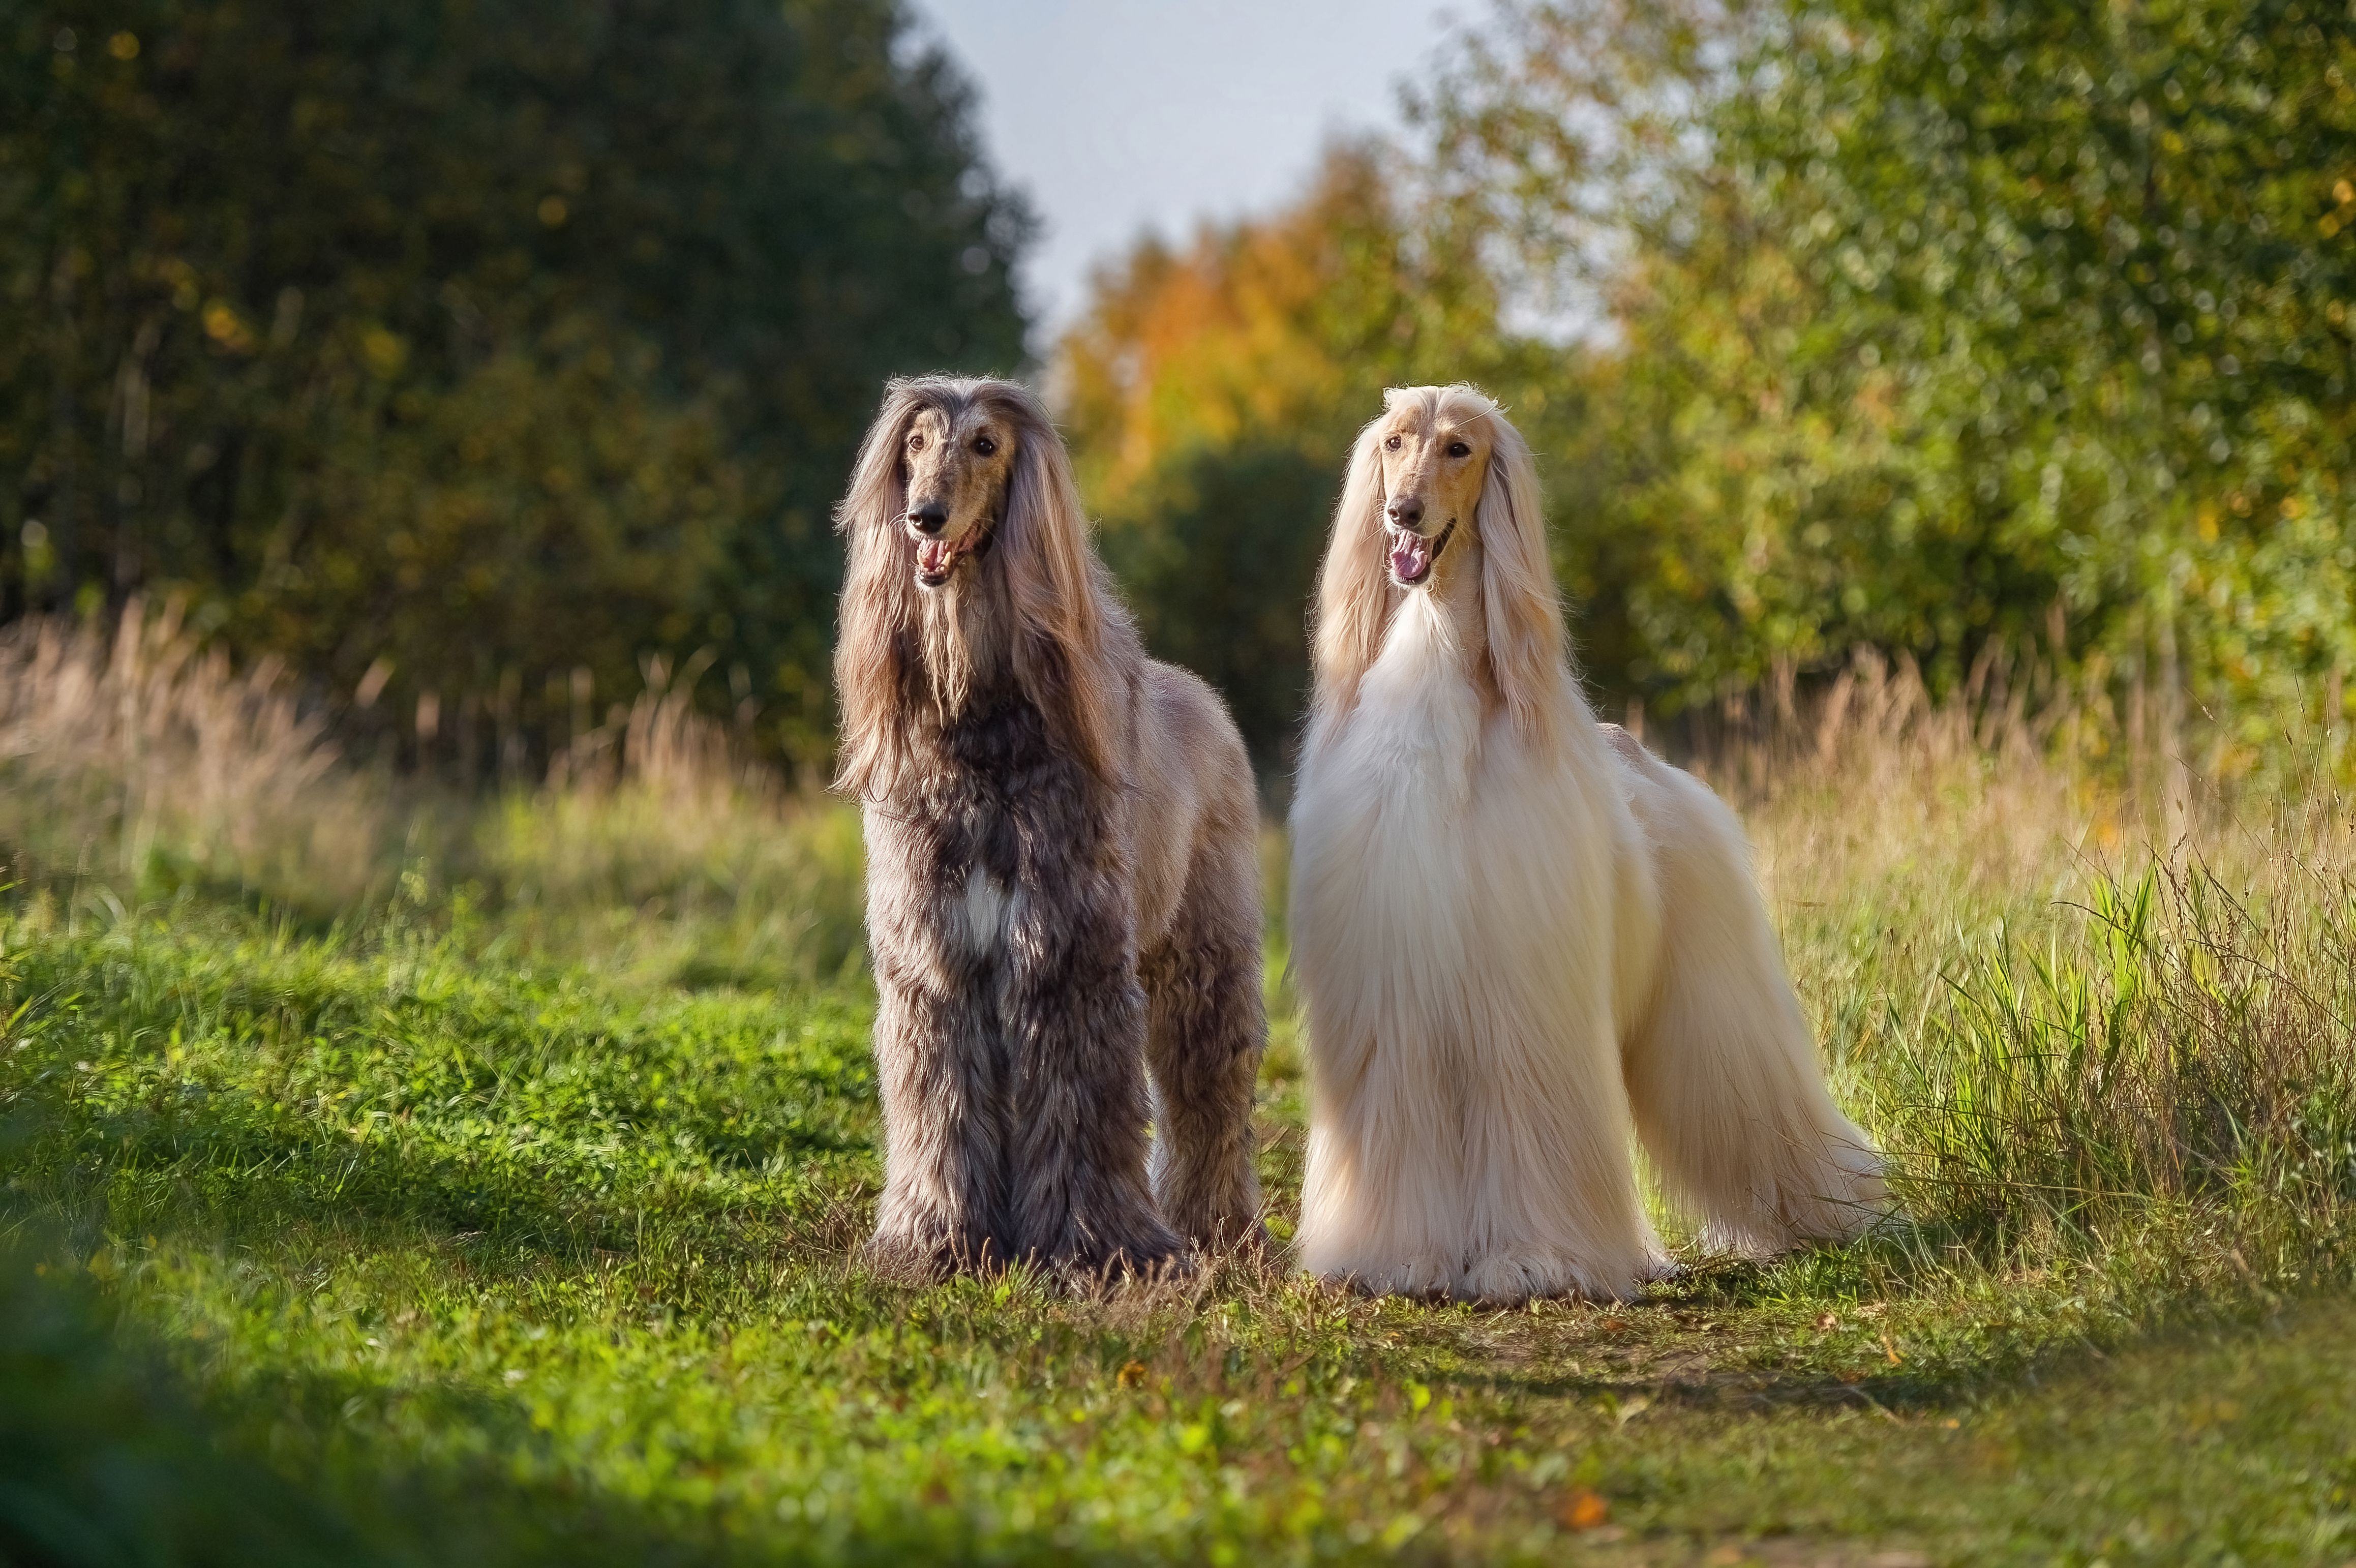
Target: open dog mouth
{"type": "Point", "coordinates": [1413, 555]}
{"type": "Point", "coordinates": [936, 558]}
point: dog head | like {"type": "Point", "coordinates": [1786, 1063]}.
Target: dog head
{"type": "Point", "coordinates": [1434, 454]}
{"type": "Point", "coordinates": [965, 527]}
{"type": "Point", "coordinates": [1442, 498]}
{"type": "Point", "coordinates": [955, 457]}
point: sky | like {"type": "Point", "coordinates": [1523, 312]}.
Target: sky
{"type": "Point", "coordinates": [1117, 114]}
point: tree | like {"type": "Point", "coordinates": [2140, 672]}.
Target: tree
{"type": "Point", "coordinates": [1940, 323]}
{"type": "Point", "coordinates": [1212, 393]}
{"type": "Point", "coordinates": [495, 341]}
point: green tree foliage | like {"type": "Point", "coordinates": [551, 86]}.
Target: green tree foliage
{"type": "Point", "coordinates": [1945, 321]}
{"type": "Point", "coordinates": [496, 341]}
{"type": "Point", "coordinates": [1935, 327]}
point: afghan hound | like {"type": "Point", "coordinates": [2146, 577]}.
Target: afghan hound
{"type": "Point", "coordinates": [1062, 881]}
{"type": "Point", "coordinates": [1518, 934]}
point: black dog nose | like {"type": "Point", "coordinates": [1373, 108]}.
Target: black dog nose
{"type": "Point", "coordinates": [1406, 511]}
{"type": "Point", "coordinates": [929, 519]}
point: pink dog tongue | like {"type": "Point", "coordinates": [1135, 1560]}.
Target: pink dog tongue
{"type": "Point", "coordinates": [933, 557]}
{"type": "Point", "coordinates": [1410, 556]}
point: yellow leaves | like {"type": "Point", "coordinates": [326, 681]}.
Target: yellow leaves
{"type": "Point", "coordinates": [2206, 1412]}
{"type": "Point", "coordinates": [225, 327]}
{"type": "Point", "coordinates": [1581, 1508]}
{"type": "Point", "coordinates": [1877, 400]}
{"type": "Point", "coordinates": [124, 46]}
{"type": "Point", "coordinates": [1257, 329]}
{"type": "Point", "coordinates": [1131, 1374]}
{"type": "Point", "coordinates": [2344, 194]}
{"type": "Point", "coordinates": [183, 279]}
{"type": "Point", "coordinates": [385, 351]}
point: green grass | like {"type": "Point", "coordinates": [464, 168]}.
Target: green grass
{"type": "Point", "coordinates": [458, 1257]}
{"type": "Point", "coordinates": [393, 1178]}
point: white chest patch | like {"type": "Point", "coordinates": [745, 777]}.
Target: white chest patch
{"type": "Point", "coordinates": [988, 910]}
{"type": "Point", "coordinates": [1417, 732]}
{"type": "Point", "coordinates": [1382, 904]}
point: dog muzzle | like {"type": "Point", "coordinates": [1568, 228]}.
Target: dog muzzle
{"type": "Point", "coordinates": [936, 558]}
{"type": "Point", "coordinates": [1412, 556]}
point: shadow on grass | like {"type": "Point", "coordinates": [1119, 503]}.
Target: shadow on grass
{"type": "Point", "coordinates": [108, 1457]}
{"type": "Point", "coordinates": [1727, 1335]}
{"type": "Point", "coordinates": [239, 1180]}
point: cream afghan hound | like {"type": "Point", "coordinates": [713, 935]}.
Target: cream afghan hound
{"type": "Point", "coordinates": [1063, 874]}
{"type": "Point", "coordinates": [1522, 937]}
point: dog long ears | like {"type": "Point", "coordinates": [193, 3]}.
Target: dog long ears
{"type": "Point", "coordinates": [878, 603]}
{"type": "Point", "coordinates": [1067, 620]}
{"type": "Point", "coordinates": [1070, 630]}
{"type": "Point", "coordinates": [1355, 596]}
{"type": "Point", "coordinates": [1523, 608]}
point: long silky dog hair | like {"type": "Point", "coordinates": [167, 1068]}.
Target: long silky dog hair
{"type": "Point", "coordinates": [1520, 936]}
{"type": "Point", "coordinates": [1062, 869]}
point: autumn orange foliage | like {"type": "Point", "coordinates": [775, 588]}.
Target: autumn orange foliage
{"type": "Point", "coordinates": [1211, 391]}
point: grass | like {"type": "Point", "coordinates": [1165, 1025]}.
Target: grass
{"type": "Point", "coordinates": [504, 1211]}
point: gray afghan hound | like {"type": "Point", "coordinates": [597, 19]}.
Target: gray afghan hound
{"type": "Point", "coordinates": [1063, 888]}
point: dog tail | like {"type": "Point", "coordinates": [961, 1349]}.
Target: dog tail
{"type": "Point", "coordinates": [1730, 1098]}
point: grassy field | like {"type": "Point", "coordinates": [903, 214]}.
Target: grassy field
{"type": "Point", "coordinates": [389, 1179]}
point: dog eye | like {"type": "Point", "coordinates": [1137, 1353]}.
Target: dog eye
{"type": "Point", "coordinates": [1391, 443]}
{"type": "Point", "coordinates": [984, 444]}
{"type": "Point", "coordinates": [916, 443]}
{"type": "Point", "coordinates": [1458, 449]}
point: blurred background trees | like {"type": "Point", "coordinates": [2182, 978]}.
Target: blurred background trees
{"type": "Point", "coordinates": [1937, 328]}
{"type": "Point", "coordinates": [466, 358]}
{"type": "Point", "coordinates": [495, 343]}
{"type": "Point", "coordinates": [1211, 393]}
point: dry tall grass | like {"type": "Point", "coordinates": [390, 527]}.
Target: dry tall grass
{"type": "Point", "coordinates": [2074, 988]}
{"type": "Point", "coordinates": [2078, 985]}
{"type": "Point", "coordinates": [136, 759]}
{"type": "Point", "coordinates": [659, 846]}
{"type": "Point", "coordinates": [136, 763]}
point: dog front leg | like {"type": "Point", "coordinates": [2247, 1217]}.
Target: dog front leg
{"type": "Point", "coordinates": [1207, 1027]}
{"type": "Point", "coordinates": [1074, 1020]}
{"type": "Point", "coordinates": [938, 1072]}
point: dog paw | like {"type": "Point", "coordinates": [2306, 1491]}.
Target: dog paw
{"type": "Point", "coordinates": [1418, 1274]}
{"type": "Point", "coordinates": [1662, 1270]}
{"type": "Point", "coordinates": [905, 1260]}
{"type": "Point", "coordinates": [1120, 1273]}
{"type": "Point", "coordinates": [1512, 1278]}
{"type": "Point", "coordinates": [918, 1258]}
{"type": "Point", "coordinates": [1091, 1274]}
{"type": "Point", "coordinates": [1241, 1236]}
{"type": "Point", "coordinates": [1087, 1256]}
